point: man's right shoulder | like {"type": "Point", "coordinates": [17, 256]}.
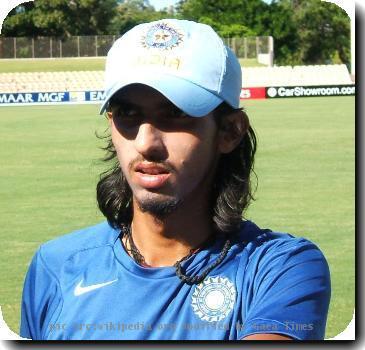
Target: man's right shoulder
{"type": "Point", "coordinates": [57, 251]}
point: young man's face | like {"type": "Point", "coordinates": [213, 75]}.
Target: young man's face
{"type": "Point", "coordinates": [166, 156]}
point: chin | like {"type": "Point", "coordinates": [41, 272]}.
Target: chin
{"type": "Point", "coordinates": [158, 205]}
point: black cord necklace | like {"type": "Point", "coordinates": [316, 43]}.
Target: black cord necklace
{"type": "Point", "coordinates": [136, 254]}
{"type": "Point", "coordinates": [139, 258]}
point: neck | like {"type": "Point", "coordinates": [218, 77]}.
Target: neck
{"type": "Point", "coordinates": [162, 242]}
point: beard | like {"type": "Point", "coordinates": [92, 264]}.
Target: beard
{"type": "Point", "coordinates": [159, 208]}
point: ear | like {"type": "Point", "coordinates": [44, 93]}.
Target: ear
{"type": "Point", "coordinates": [232, 129]}
{"type": "Point", "coordinates": [109, 115]}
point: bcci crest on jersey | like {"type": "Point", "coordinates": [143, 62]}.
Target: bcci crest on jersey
{"type": "Point", "coordinates": [213, 299]}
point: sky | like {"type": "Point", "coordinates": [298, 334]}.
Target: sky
{"type": "Point", "coordinates": [159, 4]}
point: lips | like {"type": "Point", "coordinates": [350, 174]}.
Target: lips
{"type": "Point", "coordinates": [151, 169]}
{"type": "Point", "coordinates": [151, 175]}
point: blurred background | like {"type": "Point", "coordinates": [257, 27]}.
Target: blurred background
{"type": "Point", "coordinates": [298, 90]}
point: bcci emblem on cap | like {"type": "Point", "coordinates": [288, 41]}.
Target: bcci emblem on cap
{"type": "Point", "coordinates": [162, 36]}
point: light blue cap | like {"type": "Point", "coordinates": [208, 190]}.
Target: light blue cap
{"type": "Point", "coordinates": [185, 61]}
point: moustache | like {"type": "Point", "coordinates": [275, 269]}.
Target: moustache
{"type": "Point", "coordinates": [161, 164]}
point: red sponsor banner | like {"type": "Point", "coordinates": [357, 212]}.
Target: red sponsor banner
{"type": "Point", "coordinates": [253, 93]}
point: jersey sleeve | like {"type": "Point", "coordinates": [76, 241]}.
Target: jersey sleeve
{"type": "Point", "coordinates": [40, 301]}
{"type": "Point", "coordinates": [288, 291]}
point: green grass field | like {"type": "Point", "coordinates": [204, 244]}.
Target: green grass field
{"type": "Point", "coordinates": [70, 64]}
{"type": "Point", "coordinates": [52, 65]}
{"type": "Point", "coordinates": [305, 166]}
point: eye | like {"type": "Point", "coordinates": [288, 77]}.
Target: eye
{"type": "Point", "coordinates": [126, 117]}
{"type": "Point", "coordinates": [173, 119]}
{"type": "Point", "coordinates": [127, 112]}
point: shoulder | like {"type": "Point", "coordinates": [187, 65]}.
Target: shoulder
{"type": "Point", "coordinates": [56, 252]}
{"type": "Point", "coordinates": [286, 283]}
{"type": "Point", "coordinates": [258, 239]}
{"type": "Point", "coordinates": [267, 247]}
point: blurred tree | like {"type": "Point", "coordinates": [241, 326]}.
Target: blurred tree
{"type": "Point", "coordinates": [304, 31]}
{"type": "Point", "coordinates": [19, 21]}
{"type": "Point", "coordinates": [227, 30]}
{"type": "Point", "coordinates": [250, 15]}
{"type": "Point", "coordinates": [132, 12]}
{"type": "Point", "coordinates": [60, 18]}
{"type": "Point", "coordinates": [283, 28]}
{"type": "Point", "coordinates": [323, 30]}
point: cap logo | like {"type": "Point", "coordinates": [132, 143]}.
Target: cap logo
{"type": "Point", "coordinates": [162, 36]}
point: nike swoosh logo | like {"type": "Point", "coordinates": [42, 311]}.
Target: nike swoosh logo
{"type": "Point", "coordinates": [79, 290]}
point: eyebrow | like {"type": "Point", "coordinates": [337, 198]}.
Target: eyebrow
{"type": "Point", "coordinates": [130, 104]}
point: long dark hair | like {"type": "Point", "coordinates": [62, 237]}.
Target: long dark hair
{"type": "Point", "coordinates": [232, 189]}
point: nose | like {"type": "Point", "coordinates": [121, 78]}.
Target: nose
{"type": "Point", "coordinates": [149, 142]}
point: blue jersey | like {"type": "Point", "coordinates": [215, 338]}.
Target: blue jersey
{"type": "Point", "coordinates": [85, 286]}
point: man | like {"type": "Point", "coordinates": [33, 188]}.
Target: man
{"type": "Point", "coordinates": [175, 261]}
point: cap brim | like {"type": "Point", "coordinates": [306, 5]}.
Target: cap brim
{"type": "Point", "coordinates": [189, 97]}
